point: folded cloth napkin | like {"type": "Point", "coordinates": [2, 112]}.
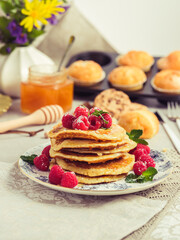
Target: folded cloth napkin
{"type": "Point", "coordinates": [31, 211]}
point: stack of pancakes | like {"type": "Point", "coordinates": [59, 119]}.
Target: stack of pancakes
{"type": "Point", "coordinates": [95, 156]}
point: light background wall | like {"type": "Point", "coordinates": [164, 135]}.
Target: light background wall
{"type": "Point", "coordinates": [151, 25]}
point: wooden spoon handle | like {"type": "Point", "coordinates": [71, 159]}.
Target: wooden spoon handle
{"type": "Point", "coordinates": [36, 118]}
{"type": "Point", "coordinates": [44, 115]}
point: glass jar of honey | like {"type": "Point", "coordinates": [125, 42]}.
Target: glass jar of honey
{"type": "Point", "coordinates": [46, 86]}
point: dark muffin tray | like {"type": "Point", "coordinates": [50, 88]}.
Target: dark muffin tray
{"type": "Point", "coordinates": [107, 62]}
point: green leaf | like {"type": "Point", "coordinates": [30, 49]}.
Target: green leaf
{"type": "Point", "coordinates": [4, 23]}
{"type": "Point", "coordinates": [150, 173]}
{"type": "Point", "coordinates": [35, 33]}
{"type": "Point", "coordinates": [28, 159]}
{"type": "Point", "coordinates": [142, 141]}
{"type": "Point", "coordinates": [98, 113]}
{"type": "Point", "coordinates": [6, 6]}
{"type": "Point", "coordinates": [146, 176]}
{"type": "Point", "coordinates": [131, 178]}
{"type": "Point", "coordinates": [17, 2]}
{"type": "Point", "coordinates": [135, 134]}
{"type": "Point", "coordinates": [3, 50]}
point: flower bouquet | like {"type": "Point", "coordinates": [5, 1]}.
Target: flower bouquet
{"type": "Point", "coordinates": [24, 21]}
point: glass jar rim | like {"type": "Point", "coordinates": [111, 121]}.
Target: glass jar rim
{"type": "Point", "coordinates": [44, 69]}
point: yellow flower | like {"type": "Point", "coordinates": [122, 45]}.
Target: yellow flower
{"type": "Point", "coordinates": [53, 7]}
{"type": "Point", "coordinates": [38, 11]}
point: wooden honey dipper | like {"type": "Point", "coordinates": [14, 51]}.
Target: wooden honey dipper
{"type": "Point", "coordinates": [44, 115]}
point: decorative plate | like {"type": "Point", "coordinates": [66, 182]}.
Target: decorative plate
{"type": "Point", "coordinates": [120, 187]}
{"type": "Point", "coordinates": [5, 103]}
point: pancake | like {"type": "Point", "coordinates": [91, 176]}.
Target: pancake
{"type": "Point", "coordinates": [114, 133]}
{"type": "Point", "coordinates": [123, 148]}
{"type": "Point", "coordinates": [94, 180]}
{"type": "Point", "coordinates": [101, 179]}
{"type": "Point", "coordinates": [85, 157]}
{"type": "Point", "coordinates": [115, 167]}
{"type": "Point", "coordinates": [86, 144]}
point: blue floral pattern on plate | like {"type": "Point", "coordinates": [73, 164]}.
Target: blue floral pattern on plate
{"type": "Point", "coordinates": [120, 187]}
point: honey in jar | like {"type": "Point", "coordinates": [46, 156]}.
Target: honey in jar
{"type": "Point", "coordinates": [46, 86]}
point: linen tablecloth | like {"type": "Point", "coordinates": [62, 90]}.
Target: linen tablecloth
{"type": "Point", "coordinates": [31, 211]}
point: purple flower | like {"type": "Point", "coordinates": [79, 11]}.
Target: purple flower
{"type": "Point", "coordinates": [8, 49]}
{"type": "Point", "coordinates": [65, 8]}
{"type": "Point", "coordinates": [53, 20]}
{"type": "Point", "coordinates": [14, 29]}
{"type": "Point", "coordinates": [21, 39]}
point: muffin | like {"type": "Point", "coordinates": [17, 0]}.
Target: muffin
{"type": "Point", "coordinates": [167, 81]}
{"type": "Point", "coordinates": [127, 78]}
{"type": "Point", "coordinates": [172, 61]}
{"type": "Point", "coordinates": [86, 73]}
{"type": "Point", "coordinates": [140, 119]}
{"type": "Point", "coordinates": [138, 59]}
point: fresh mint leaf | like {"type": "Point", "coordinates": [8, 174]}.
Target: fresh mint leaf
{"type": "Point", "coordinates": [131, 178]}
{"type": "Point", "coordinates": [98, 113]}
{"type": "Point", "coordinates": [146, 176]}
{"type": "Point", "coordinates": [142, 141]}
{"type": "Point", "coordinates": [149, 173]}
{"type": "Point", "coordinates": [135, 134]}
{"type": "Point", "coordinates": [28, 159]}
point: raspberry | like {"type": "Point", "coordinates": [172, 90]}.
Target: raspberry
{"type": "Point", "coordinates": [147, 160]}
{"type": "Point", "coordinates": [138, 153]}
{"type": "Point", "coordinates": [67, 120]}
{"type": "Point", "coordinates": [107, 118]}
{"type": "Point", "coordinates": [81, 111]}
{"type": "Point", "coordinates": [93, 109]}
{"type": "Point", "coordinates": [95, 122]}
{"type": "Point", "coordinates": [41, 162]}
{"type": "Point", "coordinates": [81, 123]}
{"type": "Point", "coordinates": [69, 180]}
{"type": "Point", "coordinates": [139, 167]}
{"type": "Point", "coordinates": [46, 151]}
{"type": "Point", "coordinates": [56, 174]}
{"type": "Point", "coordinates": [145, 147]}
